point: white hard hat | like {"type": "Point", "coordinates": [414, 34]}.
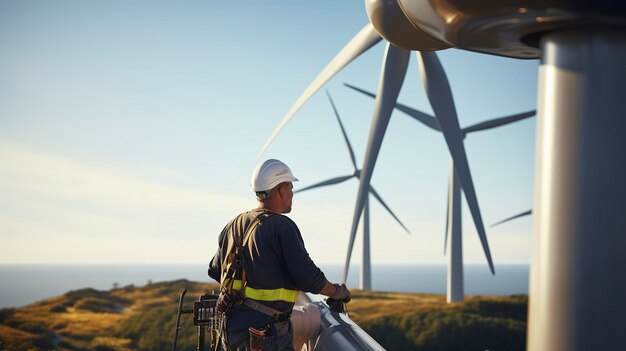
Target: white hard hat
{"type": "Point", "coordinates": [269, 174]}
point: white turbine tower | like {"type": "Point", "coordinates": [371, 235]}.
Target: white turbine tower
{"type": "Point", "coordinates": [366, 274]}
{"type": "Point", "coordinates": [453, 232]}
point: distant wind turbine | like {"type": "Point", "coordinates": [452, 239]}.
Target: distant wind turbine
{"type": "Point", "coordinates": [366, 276]}
{"type": "Point", "coordinates": [525, 213]}
{"type": "Point", "coordinates": [393, 72]}
{"type": "Point", "coordinates": [453, 212]}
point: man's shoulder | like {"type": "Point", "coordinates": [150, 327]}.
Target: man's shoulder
{"type": "Point", "coordinates": [275, 218]}
{"type": "Point", "coordinates": [282, 221]}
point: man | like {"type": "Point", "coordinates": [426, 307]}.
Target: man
{"type": "Point", "coordinates": [275, 264]}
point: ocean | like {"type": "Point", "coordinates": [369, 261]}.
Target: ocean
{"type": "Point", "coordinates": [23, 284]}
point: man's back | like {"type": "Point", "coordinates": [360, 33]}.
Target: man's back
{"type": "Point", "coordinates": [277, 267]}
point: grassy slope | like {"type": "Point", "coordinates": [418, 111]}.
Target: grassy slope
{"type": "Point", "coordinates": [143, 318]}
{"type": "Point", "coordinates": [427, 322]}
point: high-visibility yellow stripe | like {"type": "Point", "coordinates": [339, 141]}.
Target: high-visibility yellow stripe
{"type": "Point", "coordinates": [267, 294]}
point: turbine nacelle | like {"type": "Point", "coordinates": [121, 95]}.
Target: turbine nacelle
{"type": "Point", "coordinates": [390, 22]}
{"type": "Point", "coordinates": [510, 28]}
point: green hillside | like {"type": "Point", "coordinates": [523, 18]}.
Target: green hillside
{"type": "Point", "coordinates": [143, 318]}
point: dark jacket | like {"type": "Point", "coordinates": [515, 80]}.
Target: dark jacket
{"type": "Point", "coordinates": [276, 264]}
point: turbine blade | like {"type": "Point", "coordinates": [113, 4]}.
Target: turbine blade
{"type": "Point", "coordinates": [380, 199]}
{"type": "Point", "coordinates": [426, 119]}
{"type": "Point", "coordinates": [325, 183]}
{"type": "Point", "coordinates": [361, 42]}
{"type": "Point", "coordinates": [496, 122]}
{"type": "Point", "coordinates": [392, 76]}
{"type": "Point", "coordinates": [448, 212]}
{"type": "Point", "coordinates": [440, 97]}
{"type": "Point", "coordinates": [343, 131]}
{"type": "Point", "coordinates": [526, 213]}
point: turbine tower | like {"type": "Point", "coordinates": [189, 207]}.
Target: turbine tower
{"type": "Point", "coordinates": [453, 232]}
{"type": "Point", "coordinates": [366, 275]}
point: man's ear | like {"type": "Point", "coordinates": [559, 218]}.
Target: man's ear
{"type": "Point", "coordinates": [279, 190]}
{"type": "Point", "coordinates": [282, 188]}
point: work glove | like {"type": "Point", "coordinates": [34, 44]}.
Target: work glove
{"type": "Point", "coordinates": [342, 293]}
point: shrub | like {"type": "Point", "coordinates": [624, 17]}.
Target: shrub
{"type": "Point", "coordinates": [153, 329]}
{"type": "Point", "coordinates": [62, 306]}
{"type": "Point", "coordinates": [58, 309]}
{"type": "Point", "coordinates": [6, 313]}
{"type": "Point", "coordinates": [449, 329]}
{"type": "Point", "coordinates": [516, 309]}
{"type": "Point", "coordinates": [97, 305]}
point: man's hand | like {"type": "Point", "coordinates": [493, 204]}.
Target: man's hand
{"type": "Point", "coordinates": [341, 293]}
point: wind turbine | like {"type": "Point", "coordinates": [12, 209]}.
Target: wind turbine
{"type": "Point", "coordinates": [523, 214]}
{"type": "Point", "coordinates": [453, 232]}
{"type": "Point", "coordinates": [393, 71]}
{"type": "Point", "coordinates": [366, 276]}
{"type": "Point", "coordinates": [577, 263]}
{"type": "Point", "coordinates": [576, 289]}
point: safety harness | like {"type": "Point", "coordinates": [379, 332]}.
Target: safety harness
{"type": "Point", "coordinates": [234, 292]}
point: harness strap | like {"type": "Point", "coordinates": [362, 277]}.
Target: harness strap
{"type": "Point", "coordinates": [240, 235]}
{"type": "Point", "coordinates": [274, 313]}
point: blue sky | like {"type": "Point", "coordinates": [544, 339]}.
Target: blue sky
{"type": "Point", "coordinates": [128, 131]}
